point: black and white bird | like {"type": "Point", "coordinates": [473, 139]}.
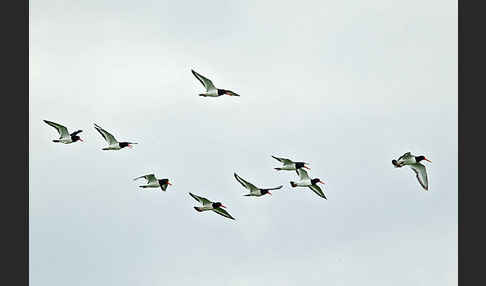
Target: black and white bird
{"type": "Point", "coordinates": [153, 182]}
{"type": "Point", "coordinates": [113, 144]}
{"type": "Point", "coordinates": [305, 181]}
{"type": "Point", "coordinates": [289, 165]}
{"type": "Point", "coordinates": [211, 90]}
{"type": "Point", "coordinates": [254, 191]}
{"type": "Point", "coordinates": [413, 161]}
{"type": "Point", "coordinates": [64, 136]}
{"type": "Point", "coordinates": [208, 205]}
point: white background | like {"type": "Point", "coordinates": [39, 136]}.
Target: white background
{"type": "Point", "coordinates": [344, 85]}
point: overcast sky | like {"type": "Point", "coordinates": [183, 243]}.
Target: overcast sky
{"type": "Point", "coordinates": [344, 85]}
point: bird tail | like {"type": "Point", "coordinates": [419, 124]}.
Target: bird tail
{"type": "Point", "coordinates": [293, 184]}
{"type": "Point", "coordinates": [56, 141]}
{"type": "Point", "coordinates": [198, 209]}
{"type": "Point", "coordinates": [278, 169]}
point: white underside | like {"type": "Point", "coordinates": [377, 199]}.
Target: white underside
{"type": "Point", "coordinates": [112, 147]}
{"type": "Point", "coordinates": [65, 140]}
{"type": "Point", "coordinates": [211, 93]}
{"type": "Point", "coordinates": [205, 208]}
{"type": "Point", "coordinates": [256, 194]}
{"type": "Point", "coordinates": [288, 168]}
{"type": "Point", "coordinates": [304, 183]}
{"type": "Point", "coordinates": [151, 186]}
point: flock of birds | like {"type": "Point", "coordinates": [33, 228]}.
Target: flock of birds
{"type": "Point", "coordinates": [406, 159]}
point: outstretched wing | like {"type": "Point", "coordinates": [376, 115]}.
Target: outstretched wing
{"type": "Point", "coordinates": [232, 93]}
{"type": "Point", "coordinates": [150, 178]}
{"type": "Point", "coordinates": [283, 160]}
{"type": "Point", "coordinates": [303, 174]}
{"type": "Point", "coordinates": [269, 189]}
{"type": "Point", "coordinates": [405, 156]}
{"type": "Point", "coordinates": [110, 139]}
{"type": "Point", "coordinates": [222, 212]}
{"type": "Point", "coordinates": [245, 184]}
{"type": "Point", "coordinates": [318, 191]}
{"type": "Point", "coordinates": [62, 130]}
{"type": "Point", "coordinates": [208, 84]}
{"type": "Point", "coordinates": [202, 200]}
{"type": "Point", "coordinates": [421, 175]}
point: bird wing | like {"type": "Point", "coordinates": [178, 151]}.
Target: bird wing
{"type": "Point", "coordinates": [202, 200]}
{"type": "Point", "coordinates": [232, 93]}
{"type": "Point", "coordinates": [62, 130]}
{"type": "Point", "coordinates": [318, 191]}
{"type": "Point", "coordinates": [405, 156]}
{"type": "Point", "coordinates": [269, 189]}
{"type": "Point", "coordinates": [150, 178]}
{"type": "Point", "coordinates": [303, 174]}
{"type": "Point", "coordinates": [421, 175]}
{"type": "Point", "coordinates": [208, 84]}
{"type": "Point", "coordinates": [283, 160]}
{"type": "Point", "coordinates": [222, 212]}
{"type": "Point", "coordinates": [110, 139]}
{"type": "Point", "coordinates": [246, 184]}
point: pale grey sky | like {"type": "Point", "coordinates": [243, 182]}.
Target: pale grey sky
{"type": "Point", "coordinates": [344, 85]}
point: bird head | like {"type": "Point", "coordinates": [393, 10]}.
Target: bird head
{"type": "Point", "coordinates": [299, 165]}
{"type": "Point", "coordinates": [77, 138]}
{"type": "Point", "coordinates": [126, 144]}
{"type": "Point", "coordinates": [218, 205]}
{"type": "Point", "coordinates": [165, 181]}
{"type": "Point", "coordinates": [266, 192]}
{"type": "Point", "coordinates": [420, 158]}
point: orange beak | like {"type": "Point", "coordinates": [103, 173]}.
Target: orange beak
{"type": "Point", "coordinates": [223, 206]}
{"type": "Point", "coordinates": [321, 182]}
{"type": "Point", "coordinates": [427, 160]}
{"type": "Point", "coordinates": [269, 193]}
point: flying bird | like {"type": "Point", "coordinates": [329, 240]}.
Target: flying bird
{"type": "Point", "coordinates": [153, 182]}
{"type": "Point", "coordinates": [305, 181]}
{"type": "Point", "coordinates": [289, 165]}
{"type": "Point", "coordinates": [64, 136]}
{"type": "Point", "coordinates": [211, 90]}
{"type": "Point", "coordinates": [254, 191]}
{"type": "Point", "coordinates": [113, 144]}
{"type": "Point", "coordinates": [408, 159]}
{"type": "Point", "coordinates": [208, 205]}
